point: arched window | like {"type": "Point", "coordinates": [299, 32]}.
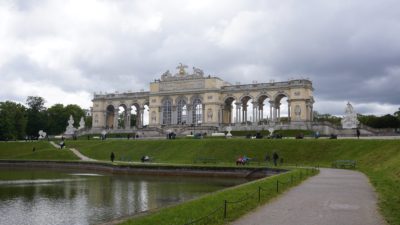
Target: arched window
{"type": "Point", "coordinates": [197, 111]}
{"type": "Point", "coordinates": [182, 112]}
{"type": "Point", "coordinates": [167, 108]}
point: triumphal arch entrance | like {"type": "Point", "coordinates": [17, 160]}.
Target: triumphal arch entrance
{"type": "Point", "coordinates": [192, 99]}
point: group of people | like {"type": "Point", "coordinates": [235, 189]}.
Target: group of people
{"type": "Point", "coordinates": [275, 158]}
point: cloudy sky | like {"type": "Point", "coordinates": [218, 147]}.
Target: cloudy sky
{"type": "Point", "coordinates": [66, 50]}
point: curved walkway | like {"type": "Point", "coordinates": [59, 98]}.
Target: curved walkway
{"type": "Point", "coordinates": [333, 197]}
{"type": "Point", "coordinates": [76, 152]}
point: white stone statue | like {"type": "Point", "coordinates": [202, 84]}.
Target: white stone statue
{"type": "Point", "coordinates": [209, 115]}
{"type": "Point", "coordinates": [229, 129]}
{"type": "Point", "coordinates": [271, 131]}
{"type": "Point", "coordinates": [165, 75]}
{"type": "Point", "coordinates": [350, 120]}
{"type": "Point", "coordinates": [42, 134]}
{"type": "Point", "coordinates": [181, 69]}
{"type": "Point", "coordinates": [197, 71]}
{"type": "Point", "coordinates": [81, 124]}
{"type": "Point", "coordinates": [70, 128]}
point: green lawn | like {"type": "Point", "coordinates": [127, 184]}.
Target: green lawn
{"type": "Point", "coordinates": [43, 151]}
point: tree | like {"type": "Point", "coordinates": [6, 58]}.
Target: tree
{"type": "Point", "coordinates": [12, 120]}
{"type": "Point", "coordinates": [88, 121]}
{"type": "Point", "coordinates": [397, 114]}
{"type": "Point", "coordinates": [327, 118]}
{"type": "Point", "coordinates": [37, 117]}
{"type": "Point", "coordinates": [57, 119]}
{"type": "Point", "coordinates": [36, 103]}
{"type": "Point", "coordinates": [386, 121]}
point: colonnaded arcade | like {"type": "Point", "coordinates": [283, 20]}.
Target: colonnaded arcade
{"type": "Point", "coordinates": [183, 100]}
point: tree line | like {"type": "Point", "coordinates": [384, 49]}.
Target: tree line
{"type": "Point", "coordinates": [18, 121]}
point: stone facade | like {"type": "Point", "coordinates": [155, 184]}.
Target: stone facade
{"type": "Point", "coordinates": [193, 99]}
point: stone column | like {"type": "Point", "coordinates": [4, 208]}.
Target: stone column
{"type": "Point", "coordinates": [127, 120]}
{"type": "Point", "coordinates": [141, 116]}
{"type": "Point", "coordinates": [127, 117]}
{"type": "Point", "coordinates": [312, 113]}
{"type": "Point", "coordinates": [174, 115]}
{"type": "Point", "coordinates": [271, 111]}
{"type": "Point", "coordinates": [289, 105]}
{"type": "Point", "coordinates": [115, 124]}
{"type": "Point", "coordinates": [279, 113]}
{"type": "Point", "coordinates": [255, 108]}
{"type": "Point", "coordinates": [189, 114]}
{"type": "Point", "coordinates": [222, 114]}
{"type": "Point", "coordinates": [238, 112]}
{"type": "Point", "coordinates": [236, 115]}
{"type": "Point", "coordinates": [161, 116]}
{"type": "Point", "coordinates": [203, 114]}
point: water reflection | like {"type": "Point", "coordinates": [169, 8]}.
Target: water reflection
{"type": "Point", "coordinates": [57, 197]}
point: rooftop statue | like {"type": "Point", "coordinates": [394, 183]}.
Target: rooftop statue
{"type": "Point", "coordinates": [181, 69]}
{"type": "Point", "coordinates": [197, 71]}
{"type": "Point", "coordinates": [350, 120]}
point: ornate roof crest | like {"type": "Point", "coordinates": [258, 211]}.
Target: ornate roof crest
{"type": "Point", "coordinates": [182, 74]}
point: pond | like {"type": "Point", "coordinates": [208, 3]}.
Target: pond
{"type": "Point", "coordinates": [39, 196]}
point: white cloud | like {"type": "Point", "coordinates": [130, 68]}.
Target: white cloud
{"type": "Point", "coordinates": [349, 49]}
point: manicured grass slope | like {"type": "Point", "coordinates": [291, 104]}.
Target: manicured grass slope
{"type": "Point", "coordinates": [43, 151]}
{"type": "Point", "coordinates": [378, 159]}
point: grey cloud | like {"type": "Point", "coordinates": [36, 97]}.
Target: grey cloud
{"type": "Point", "coordinates": [350, 50]}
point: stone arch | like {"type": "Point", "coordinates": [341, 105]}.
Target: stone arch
{"type": "Point", "coordinates": [166, 109]}
{"type": "Point", "coordinates": [134, 114]}
{"type": "Point", "coordinates": [279, 95]}
{"type": "Point", "coordinates": [262, 96]}
{"type": "Point", "coordinates": [197, 114]}
{"type": "Point", "coordinates": [181, 110]}
{"type": "Point", "coordinates": [230, 97]}
{"type": "Point", "coordinates": [181, 97]}
{"type": "Point", "coordinates": [194, 97]}
{"type": "Point", "coordinates": [110, 115]}
{"type": "Point", "coordinates": [123, 116]}
{"type": "Point", "coordinates": [276, 102]}
{"type": "Point", "coordinates": [245, 96]}
{"type": "Point", "coordinates": [247, 111]}
{"type": "Point", "coordinates": [227, 114]}
{"type": "Point", "coordinates": [264, 112]}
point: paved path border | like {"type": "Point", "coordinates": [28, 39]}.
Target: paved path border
{"type": "Point", "coordinates": [333, 197]}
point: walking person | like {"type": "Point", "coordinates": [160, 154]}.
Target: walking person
{"type": "Point", "coordinates": [358, 133]}
{"type": "Point", "coordinates": [275, 157]}
{"type": "Point", "coordinates": [112, 156]}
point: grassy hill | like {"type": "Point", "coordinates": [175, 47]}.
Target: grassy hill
{"type": "Point", "coordinates": [43, 151]}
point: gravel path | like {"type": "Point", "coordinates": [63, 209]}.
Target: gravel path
{"type": "Point", "coordinates": [82, 157]}
{"type": "Point", "coordinates": [76, 152]}
{"type": "Point", "coordinates": [333, 197]}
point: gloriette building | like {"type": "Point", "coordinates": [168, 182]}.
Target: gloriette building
{"type": "Point", "coordinates": [186, 99]}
